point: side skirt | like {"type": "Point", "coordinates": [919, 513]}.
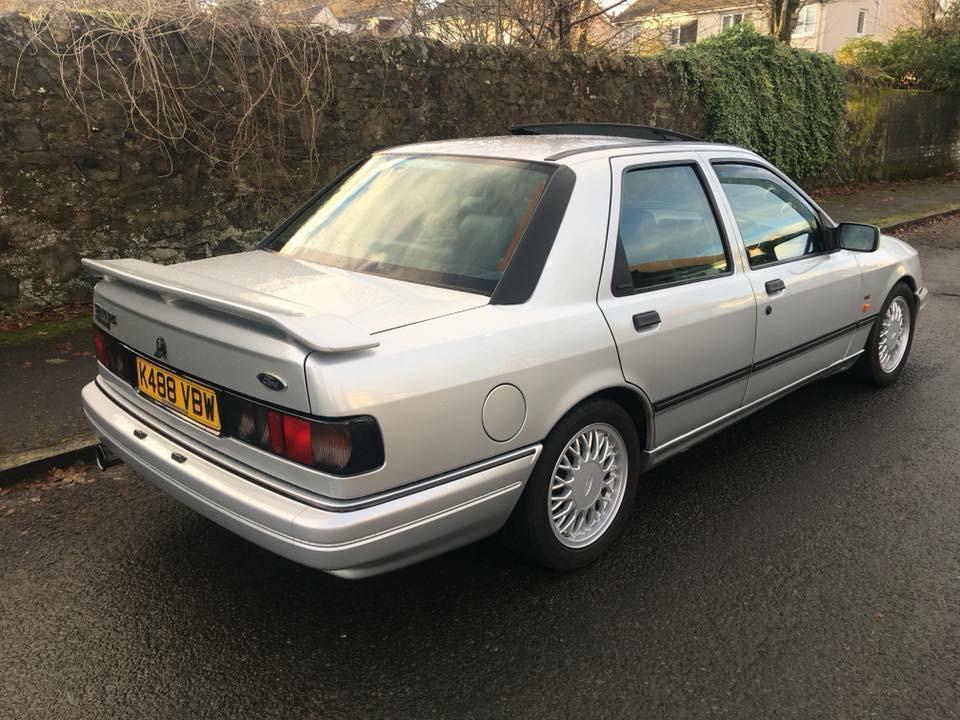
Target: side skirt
{"type": "Point", "coordinates": [688, 440]}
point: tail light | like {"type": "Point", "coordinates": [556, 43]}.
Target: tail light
{"type": "Point", "coordinates": [340, 447]}
{"type": "Point", "coordinates": [100, 346]}
{"type": "Point", "coordinates": [114, 356]}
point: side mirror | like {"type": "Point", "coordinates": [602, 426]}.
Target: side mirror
{"type": "Point", "coordinates": [858, 237]}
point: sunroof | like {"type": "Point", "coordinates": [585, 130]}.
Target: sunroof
{"type": "Point", "coordinates": [633, 132]}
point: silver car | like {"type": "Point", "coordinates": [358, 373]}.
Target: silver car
{"type": "Point", "coordinates": [463, 337]}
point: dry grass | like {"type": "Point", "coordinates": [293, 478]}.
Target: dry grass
{"type": "Point", "coordinates": [234, 81]}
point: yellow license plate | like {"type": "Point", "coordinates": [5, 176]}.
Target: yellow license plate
{"type": "Point", "coordinates": [196, 401]}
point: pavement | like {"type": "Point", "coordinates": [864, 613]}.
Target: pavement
{"type": "Point", "coordinates": [801, 564]}
{"type": "Point", "coordinates": [41, 414]}
{"type": "Point", "coordinates": [893, 204]}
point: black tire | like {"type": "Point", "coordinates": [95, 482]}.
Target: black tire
{"type": "Point", "coordinates": [529, 530]}
{"type": "Point", "coordinates": [868, 367]}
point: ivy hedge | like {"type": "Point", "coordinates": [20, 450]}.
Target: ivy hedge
{"type": "Point", "coordinates": [784, 103]}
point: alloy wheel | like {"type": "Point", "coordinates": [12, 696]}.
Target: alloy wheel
{"type": "Point", "coordinates": [894, 334]}
{"type": "Point", "coordinates": [588, 485]}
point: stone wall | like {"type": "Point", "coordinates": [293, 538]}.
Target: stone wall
{"type": "Point", "coordinates": [897, 134]}
{"type": "Point", "coordinates": [75, 185]}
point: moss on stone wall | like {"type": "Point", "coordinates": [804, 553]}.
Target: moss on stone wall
{"type": "Point", "coordinates": [895, 134]}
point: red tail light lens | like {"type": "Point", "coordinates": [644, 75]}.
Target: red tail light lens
{"type": "Point", "coordinates": [113, 355]}
{"type": "Point", "coordinates": [100, 346]}
{"type": "Point", "coordinates": [275, 426]}
{"type": "Point", "coordinates": [296, 436]}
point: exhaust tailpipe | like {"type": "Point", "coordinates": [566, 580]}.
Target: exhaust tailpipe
{"type": "Point", "coordinates": [106, 457]}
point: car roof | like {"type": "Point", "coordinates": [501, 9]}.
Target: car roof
{"type": "Point", "coordinates": [540, 148]}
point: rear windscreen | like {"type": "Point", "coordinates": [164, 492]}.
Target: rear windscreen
{"type": "Point", "coordinates": [439, 220]}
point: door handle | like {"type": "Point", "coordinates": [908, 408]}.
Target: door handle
{"type": "Point", "coordinates": [646, 319]}
{"type": "Point", "coordinates": [775, 286]}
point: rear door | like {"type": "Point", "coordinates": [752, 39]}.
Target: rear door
{"type": "Point", "coordinates": [675, 294]}
{"type": "Point", "coordinates": [808, 294]}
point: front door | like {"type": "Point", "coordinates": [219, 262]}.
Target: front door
{"type": "Point", "coordinates": [676, 296]}
{"type": "Point", "coordinates": [808, 294]}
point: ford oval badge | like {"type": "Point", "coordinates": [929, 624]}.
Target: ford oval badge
{"type": "Point", "coordinates": [271, 381]}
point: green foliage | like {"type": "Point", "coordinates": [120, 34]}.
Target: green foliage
{"type": "Point", "coordinates": [913, 58]}
{"type": "Point", "coordinates": [784, 103]}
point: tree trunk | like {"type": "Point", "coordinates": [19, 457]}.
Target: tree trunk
{"type": "Point", "coordinates": [782, 13]}
{"type": "Point", "coordinates": [929, 9]}
{"type": "Point", "coordinates": [562, 24]}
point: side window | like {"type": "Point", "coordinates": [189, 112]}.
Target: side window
{"type": "Point", "coordinates": [775, 224]}
{"type": "Point", "coordinates": [668, 229]}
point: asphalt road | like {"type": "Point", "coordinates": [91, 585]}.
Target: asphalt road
{"type": "Point", "coordinates": [32, 415]}
{"type": "Point", "coordinates": [803, 564]}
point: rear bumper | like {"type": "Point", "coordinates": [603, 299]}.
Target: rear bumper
{"type": "Point", "coordinates": [356, 543]}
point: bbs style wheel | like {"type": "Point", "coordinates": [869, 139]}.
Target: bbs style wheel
{"type": "Point", "coordinates": [888, 345]}
{"type": "Point", "coordinates": [578, 498]}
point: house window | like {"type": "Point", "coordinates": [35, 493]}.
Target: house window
{"type": "Point", "coordinates": [728, 21]}
{"type": "Point", "coordinates": [861, 22]}
{"type": "Point", "coordinates": [684, 34]}
{"type": "Point", "coordinates": [806, 21]}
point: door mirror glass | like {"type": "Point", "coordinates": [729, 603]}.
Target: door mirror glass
{"type": "Point", "coordinates": [858, 237]}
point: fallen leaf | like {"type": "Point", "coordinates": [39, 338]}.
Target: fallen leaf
{"type": "Point", "coordinates": [28, 318]}
{"type": "Point", "coordinates": [73, 475]}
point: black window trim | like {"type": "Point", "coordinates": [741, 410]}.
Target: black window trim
{"type": "Point", "coordinates": [826, 227]}
{"type": "Point", "coordinates": [621, 284]}
{"type": "Point", "coordinates": [523, 270]}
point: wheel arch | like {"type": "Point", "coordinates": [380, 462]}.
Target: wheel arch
{"type": "Point", "coordinates": [908, 279]}
{"type": "Point", "coordinates": [637, 405]}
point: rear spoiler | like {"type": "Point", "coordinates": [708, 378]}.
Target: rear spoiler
{"type": "Point", "coordinates": [324, 333]}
